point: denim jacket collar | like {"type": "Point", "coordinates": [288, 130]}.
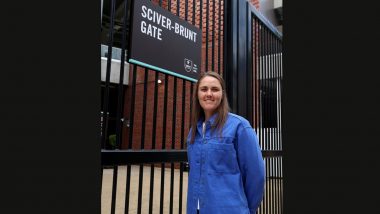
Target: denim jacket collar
{"type": "Point", "coordinates": [210, 121]}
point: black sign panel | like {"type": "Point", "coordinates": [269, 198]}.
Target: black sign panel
{"type": "Point", "coordinates": [163, 42]}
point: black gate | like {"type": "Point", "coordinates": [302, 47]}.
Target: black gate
{"type": "Point", "coordinates": [266, 65]}
{"type": "Point", "coordinates": [145, 114]}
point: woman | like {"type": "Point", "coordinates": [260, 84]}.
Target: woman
{"type": "Point", "coordinates": [226, 166]}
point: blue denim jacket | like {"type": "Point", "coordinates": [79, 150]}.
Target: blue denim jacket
{"type": "Point", "coordinates": [227, 172]}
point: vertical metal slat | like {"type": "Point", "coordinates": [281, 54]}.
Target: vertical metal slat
{"type": "Point", "coordinates": [212, 36]}
{"type": "Point", "coordinates": [153, 142]}
{"type": "Point", "coordinates": [114, 185]}
{"type": "Point", "coordinates": [219, 34]}
{"type": "Point", "coordinates": [207, 23]}
{"type": "Point", "coordinates": [141, 171]}
{"type": "Point", "coordinates": [131, 116]}
{"type": "Point", "coordinates": [108, 74]}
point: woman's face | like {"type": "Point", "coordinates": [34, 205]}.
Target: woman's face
{"type": "Point", "coordinates": [209, 94]}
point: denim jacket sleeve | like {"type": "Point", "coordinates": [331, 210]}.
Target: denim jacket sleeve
{"type": "Point", "coordinates": [251, 165]}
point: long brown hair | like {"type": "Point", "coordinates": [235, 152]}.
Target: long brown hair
{"type": "Point", "coordinates": [198, 113]}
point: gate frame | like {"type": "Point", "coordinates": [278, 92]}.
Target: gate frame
{"type": "Point", "coordinates": [237, 55]}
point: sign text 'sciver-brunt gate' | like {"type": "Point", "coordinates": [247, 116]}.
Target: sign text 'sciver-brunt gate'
{"type": "Point", "coordinates": [164, 42]}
